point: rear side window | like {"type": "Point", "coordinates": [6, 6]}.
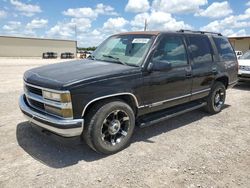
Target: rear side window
{"type": "Point", "coordinates": [224, 48]}
{"type": "Point", "coordinates": [200, 49]}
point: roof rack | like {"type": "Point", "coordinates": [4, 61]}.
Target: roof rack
{"type": "Point", "coordinates": [201, 32]}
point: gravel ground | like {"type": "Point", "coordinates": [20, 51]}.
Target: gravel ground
{"type": "Point", "coordinates": [192, 150]}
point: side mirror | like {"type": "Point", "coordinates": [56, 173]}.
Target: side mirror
{"type": "Point", "coordinates": [159, 66]}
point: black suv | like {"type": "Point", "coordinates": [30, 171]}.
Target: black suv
{"type": "Point", "coordinates": [135, 78]}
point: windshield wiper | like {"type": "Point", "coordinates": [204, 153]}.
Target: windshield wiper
{"type": "Point", "coordinates": [115, 58]}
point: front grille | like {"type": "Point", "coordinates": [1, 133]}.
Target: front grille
{"type": "Point", "coordinates": [35, 104]}
{"type": "Point", "coordinates": [35, 99]}
{"type": "Point", "coordinates": [34, 90]}
{"type": "Point", "coordinates": [245, 68]}
{"type": "Point", "coordinates": [31, 94]}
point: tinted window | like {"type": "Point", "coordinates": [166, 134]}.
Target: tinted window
{"type": "Point", "coordinates": [200, 48]}
{"type": "Point", "coordinates": [246, 55]}
{"type": "Point", "coordinates": [224, 48]}
{"type": "Point", "coordinates": [171, 50]}
{"type": "Point", "coordinates": [128, 49]}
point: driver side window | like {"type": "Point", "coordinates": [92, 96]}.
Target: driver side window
{"type": "Point", "coordinates": [171, 50]}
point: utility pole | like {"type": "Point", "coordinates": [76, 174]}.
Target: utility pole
{"type": "Point", "coordinates": [145, 25]}
{"type": "Point", "coordinates": [75, 32]}
{"type": "Point", "coordinates": [76, 38]}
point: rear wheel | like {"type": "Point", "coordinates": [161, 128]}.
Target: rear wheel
{"type": "Point", "coordinates": [109, 127]}
{"type": "Point", "coordinates": [216, 98]}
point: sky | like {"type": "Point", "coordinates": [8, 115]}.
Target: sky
{"type": "Point", "coordinates": [91, 21]}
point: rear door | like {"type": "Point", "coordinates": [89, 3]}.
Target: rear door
{"type": "Point", "coordinates": [227, 63]}
{"type": "Point", "coordinates": [204, 69]}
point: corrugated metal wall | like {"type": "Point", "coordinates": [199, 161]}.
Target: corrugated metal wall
{"type": "Point", "coordinates": [33, 47]}
{"type": "Point", "coordinates": [241, 44]}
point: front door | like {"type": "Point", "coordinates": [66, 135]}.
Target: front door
{"type": "Point", "coordinates": [169, 87]}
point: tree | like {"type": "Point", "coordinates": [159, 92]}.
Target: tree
{"type": "Point", "coordinates": [87, 49]}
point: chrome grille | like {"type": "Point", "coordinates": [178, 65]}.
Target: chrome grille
{"type": "Point", "coordinates": [31, 94]}
{"type": "Point", "coordinates": [35, 99]}
{"type": "Point", "coordinates": [246, 68]}
{"type": "Point", "coordinates": [34, 90]}
{"type": "Point", "coordinates": [36, 104]}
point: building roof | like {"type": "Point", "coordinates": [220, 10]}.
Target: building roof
{"type": "Point", "coordinates": [239, 37]}
{"type": "Point", "coordinates": [36, 38]}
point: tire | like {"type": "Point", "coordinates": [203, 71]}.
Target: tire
{"type": "Point", "coordinates": [216, 98]}
{"type": "Point", "coordinates": [109, 126]}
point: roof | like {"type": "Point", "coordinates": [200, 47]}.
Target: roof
{"type": "Point", "coordinates": [239, 37]}
{"type": "Point", "coordinates": [35, 38]}
{"type": "Point", "coordinates": [159, 32]}
{"type": "Point", "coordinates": [140, 33]}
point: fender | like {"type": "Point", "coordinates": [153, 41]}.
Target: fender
{"type": "Point", "coordinates": [109, 96]}
{"type": "Point", "coordinates": [220, 75]}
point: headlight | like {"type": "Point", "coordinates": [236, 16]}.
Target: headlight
{"type": "Point", "coordinates": [63, 105]}
{"type": "Point", "coordinates": [60, 97]}
{"type": "Point", "coordinates": [66, 113]}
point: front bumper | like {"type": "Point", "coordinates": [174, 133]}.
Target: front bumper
{"type": "Point", "coordinates": [62, 127]}
{"type": "Point", "coordinates": [244, 75]}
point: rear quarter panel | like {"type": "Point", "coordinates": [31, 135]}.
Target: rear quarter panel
{"type": "Point", "coordinates": [228, 68]}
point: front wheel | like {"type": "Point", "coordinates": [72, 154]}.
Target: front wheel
{"type": "Point", "coordinates": [216, 98]}
{"type": "Point", "coordinates": [109, 127]}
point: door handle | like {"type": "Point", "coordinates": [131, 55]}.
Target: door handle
{"type": "Point", "coordinates": [188, 71]}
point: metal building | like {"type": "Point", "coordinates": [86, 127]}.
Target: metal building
{"type": "Point", "coordinates": [240, 43]}
{"type": "Point", "coordinates": [34, 47]}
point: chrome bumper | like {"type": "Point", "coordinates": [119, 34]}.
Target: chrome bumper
{"type": "Point", "coordinates": [62, 127]}
{"type": "Point", "coordinates": [244, 77]}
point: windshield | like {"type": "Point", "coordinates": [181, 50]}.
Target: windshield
{"type": "Point", "coordinates": [124, 49]}
{"type": "Point", "coordinates": [246, 55]}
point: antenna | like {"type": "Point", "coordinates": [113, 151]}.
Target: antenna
{"type": "Point", "coordinates": [145, 25]}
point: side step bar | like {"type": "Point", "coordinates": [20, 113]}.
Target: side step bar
{"type": "Point", "coordinates": [169, 113]}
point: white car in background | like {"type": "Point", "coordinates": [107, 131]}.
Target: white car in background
{"type": "Point", "coordinates": [238, 54]}
{"type": "Point", "coordinates": [244, 67]}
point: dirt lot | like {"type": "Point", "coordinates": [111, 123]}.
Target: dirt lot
{"type": "Point", "coordinates": [192, 150]}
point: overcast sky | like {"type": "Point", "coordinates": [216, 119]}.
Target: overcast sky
{"type": "Point", "coordinates": [97, 19]}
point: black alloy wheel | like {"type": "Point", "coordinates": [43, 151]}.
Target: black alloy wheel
{"type": "Point", "coordinates": [109, 126]}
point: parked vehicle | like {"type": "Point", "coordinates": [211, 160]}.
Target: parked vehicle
{"type": "Point", "coordinates": [67, 55]}
{"type": "Point", "coordinates": [88, 53]}
{"type": "Point", "coordinates": [85, 54]}
{"type": "Point", "coordinates": [244, 67]}
{"type": "Point", "coordinates": [49, 55]}
{"type": "Point", "coordinates": [238, 54]}
{"type": "Point", "coordinates": [134, 78]}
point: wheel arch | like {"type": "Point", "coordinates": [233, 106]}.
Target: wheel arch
{"type": "Point", "coordinates": [129, 98]}
{"type": "Point", "coordinates": [223, 79]}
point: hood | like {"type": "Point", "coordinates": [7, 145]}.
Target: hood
{"type": "Point", "coordinates": [244, 62]}
{"type": "Point", "coordinates": [61, 75]}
